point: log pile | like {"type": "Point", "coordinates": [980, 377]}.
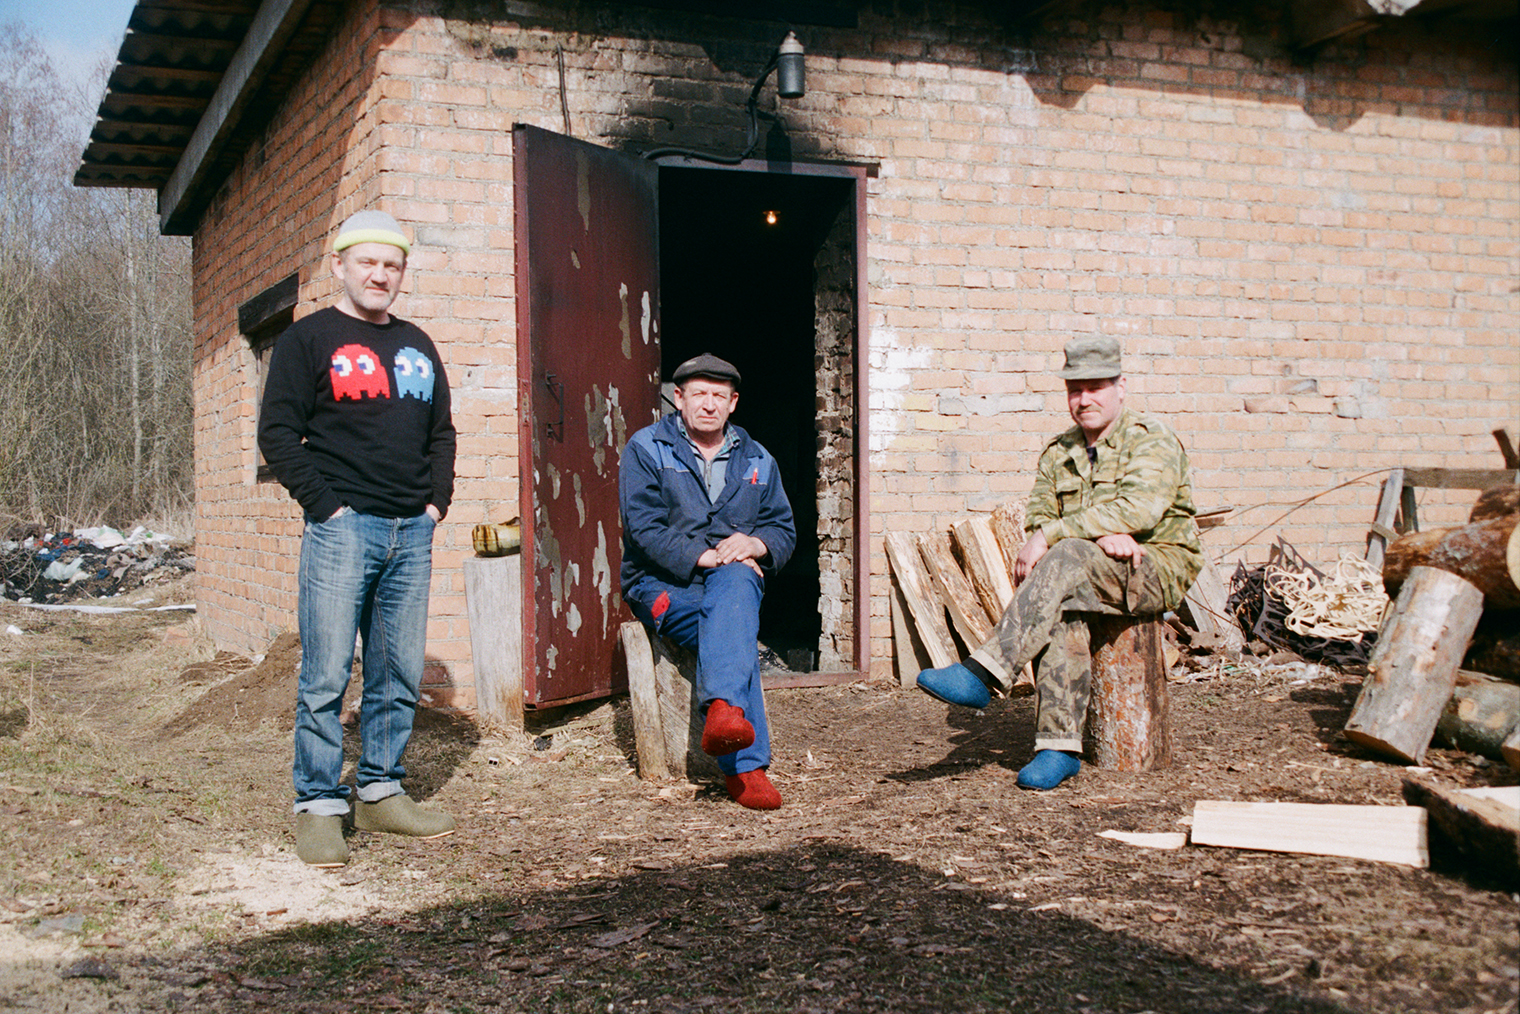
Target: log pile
{"type": "Point", "coordinates": [1446, 582]}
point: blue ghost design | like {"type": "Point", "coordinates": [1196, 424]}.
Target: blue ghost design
{"type": "Point", "coordinates": [414, 374]}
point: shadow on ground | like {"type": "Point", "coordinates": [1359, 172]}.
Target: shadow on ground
{"type": "Point", "coordinates": [837, 929]}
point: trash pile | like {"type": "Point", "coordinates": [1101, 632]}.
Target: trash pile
{"type": "Point", "coordinates": [89, 563]}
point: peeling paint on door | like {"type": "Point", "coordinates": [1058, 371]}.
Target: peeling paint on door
{"type": "Point", "coordinates": [646, 315]}
{"type": "Point", "coordinates": [601, 577]}
{"type": "Point", "coordinates": [624, 325]}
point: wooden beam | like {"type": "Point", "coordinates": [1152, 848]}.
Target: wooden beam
{"type": "Point", "coordinates": [1387, 834]}
{"type": "Point", "coordinates": [1460, 478]}
{"type": "Point", "coordinates": [923, 604]}
{"type": "Point", "coordinates": [272, 27]}
{"type": "Point", "coordinates": [1382, 522]}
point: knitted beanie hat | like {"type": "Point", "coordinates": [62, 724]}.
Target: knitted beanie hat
{"type": "Point", "coordinates": [371, 227]}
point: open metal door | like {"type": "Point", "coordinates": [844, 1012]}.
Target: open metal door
{"type": "Point", "coordinates": [588, 378]}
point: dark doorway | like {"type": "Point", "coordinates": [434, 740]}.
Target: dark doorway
{"type": "Point", "coordinates": [738, 253]}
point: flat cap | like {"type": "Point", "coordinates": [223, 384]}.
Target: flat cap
{"type": "Point", "coordinates": [1092, 358]}
{"type": "Point", "coordinates": [706, 365]}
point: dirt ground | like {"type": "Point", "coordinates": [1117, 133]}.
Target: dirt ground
{"type": "Point", "coordinates": [144, 817]}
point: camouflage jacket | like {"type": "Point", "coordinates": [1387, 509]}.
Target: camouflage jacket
{"type": "Point", "coordinates": [1138, 486]}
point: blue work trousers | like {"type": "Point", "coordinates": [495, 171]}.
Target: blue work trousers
{"type": "Point", "coordinates": [718, 617]}
{"type": "Point", "coordinates": [360, 574]}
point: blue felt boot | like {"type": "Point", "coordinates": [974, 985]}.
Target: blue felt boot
{"type": "Point", "coordinates": [1048, 769]}
{"type": "Point", "coordinates": [955, 684]}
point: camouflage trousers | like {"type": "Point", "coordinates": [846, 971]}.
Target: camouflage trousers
{"type": "Point", "coordinates": [1046, 623]}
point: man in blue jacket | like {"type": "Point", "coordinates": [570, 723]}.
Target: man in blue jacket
{"type": "Point", "coordinates": [704, 521]}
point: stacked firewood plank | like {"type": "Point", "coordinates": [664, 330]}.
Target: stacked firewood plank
{"type": "Point", "coordinates": [951, 587]}
{"type": "Point", "coordinates": [1457, 597]}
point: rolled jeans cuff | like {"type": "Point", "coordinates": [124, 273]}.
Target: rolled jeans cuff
{"type": "Point", "coordinates": [324, 807]}
{"type": "Point", "coordinates": [376, 791]}
{"type": "Point", "coordinates": [1068, 745]}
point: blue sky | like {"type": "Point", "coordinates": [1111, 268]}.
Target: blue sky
{"type": "Point", "coordinates": [76, 33]}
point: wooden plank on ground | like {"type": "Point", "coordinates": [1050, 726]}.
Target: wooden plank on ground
{"type": "Point", "coordinates": [1387, 834]}
{"type": "Point", "coordinates": [978, 550]}
{"type": "Point", "coordinates": [954, 588]}
{"type": "Point", "coordinates": [924, 606]}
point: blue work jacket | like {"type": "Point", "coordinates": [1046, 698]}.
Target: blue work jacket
{"type": "Point", "coordinates": [668, 520]}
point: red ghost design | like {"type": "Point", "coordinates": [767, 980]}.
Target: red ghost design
{"type": "Point", "coordinates": [356, 371]}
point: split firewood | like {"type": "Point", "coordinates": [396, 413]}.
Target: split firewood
{"type": "Point", "coordinates": [908, 648]}
{"type": "Point", "coordinates": [966, 612]}
{"type": "Point", "coordinates": [1008, 527]}
{"type": "Point", "coordinates": [1486, 553]}
{"type": "Point", "coordinates": [924, 606]}
{"type": "Point", "coordinates": [978, 550]}
{"type": "Point", "coordinates": [1511, 750]}
{"type": "Point", "coordinates": [1413, 667]}
{"type": "Point", "coordinates": [1483, 712]}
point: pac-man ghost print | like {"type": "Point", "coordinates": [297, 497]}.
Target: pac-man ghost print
{"type": "Point", "coordinates": [414, 375]}
{"type": "Point", "coordinates": [356, 372]}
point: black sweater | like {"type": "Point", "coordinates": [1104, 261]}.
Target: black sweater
{"type": "Point", "coordinates": [357, 413]}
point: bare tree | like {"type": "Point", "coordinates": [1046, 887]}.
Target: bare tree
{"type": "Point", "coordinates": [95, 322]}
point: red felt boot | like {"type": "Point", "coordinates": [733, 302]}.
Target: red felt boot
{"type": "Point", "coordinates": [754, 790]}
{"type": "Point", "coordinates": [726, 730]}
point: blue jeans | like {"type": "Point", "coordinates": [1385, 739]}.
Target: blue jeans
{"type": "Point", "coordinates": [370, 575]}
{"type": "Point", "coordinates": [718, 617]}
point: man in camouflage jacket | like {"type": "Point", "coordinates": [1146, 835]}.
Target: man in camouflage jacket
{"type": "Point", "coordinates": [1110, 530]}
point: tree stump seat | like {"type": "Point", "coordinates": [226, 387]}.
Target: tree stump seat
{"type": "Point", "coordinates": [1127, 725]}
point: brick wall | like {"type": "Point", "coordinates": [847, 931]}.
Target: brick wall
{"type": "Point", "coordinates": [1311, 265]}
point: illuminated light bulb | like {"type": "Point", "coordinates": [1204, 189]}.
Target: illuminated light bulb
{"type": "Point", "coordinates": [770, 218]}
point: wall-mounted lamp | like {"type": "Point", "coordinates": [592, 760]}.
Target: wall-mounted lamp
{"type": "Point", "coordinates": [791, 83]}
{"type": "Point", "coordinates": [791, 76]}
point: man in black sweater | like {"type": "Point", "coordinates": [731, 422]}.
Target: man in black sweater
{"type": "Point", "coordinates": [356, 424]}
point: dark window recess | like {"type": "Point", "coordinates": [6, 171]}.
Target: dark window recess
{"type": "Point", "coordinates": [261, 320]}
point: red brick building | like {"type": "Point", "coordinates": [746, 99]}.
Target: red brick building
{"type": "Point", "coordinates": [1304, 229]}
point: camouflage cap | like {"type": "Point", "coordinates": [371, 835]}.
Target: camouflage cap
{"type": "Point", "coordinates": [1093, 358]}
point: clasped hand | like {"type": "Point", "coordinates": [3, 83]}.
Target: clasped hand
{"type": "Point", "coordinates": [737, 548]}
